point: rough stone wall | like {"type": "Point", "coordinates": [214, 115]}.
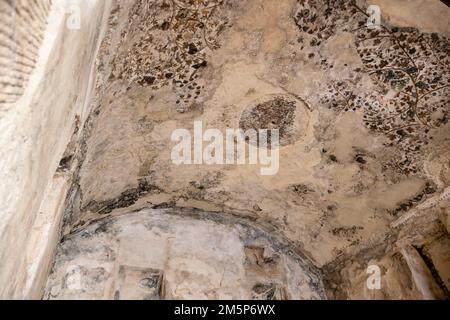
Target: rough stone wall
{"type": "Point", "coordinates": [365, 148]}
{"type": "Point", "coordinates": [364, 157]}
{"type": "Point", "coordinates": [22, 27]}
{"type": "Point", "coordinates": [413, 260]}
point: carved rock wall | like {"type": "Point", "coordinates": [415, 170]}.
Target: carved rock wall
{"type": "Point", "coordinates": [360, 112]}
{"type": "Point", "coordinates": [86, 118]}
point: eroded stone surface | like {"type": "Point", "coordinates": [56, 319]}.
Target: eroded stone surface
{"type": "Point", "coordinates": [365, 145]}
{"type": "Point", "coordinates": [173, 254]}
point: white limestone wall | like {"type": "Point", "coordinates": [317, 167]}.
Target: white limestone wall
{"type": "Point", "coordinates": [35, 130]}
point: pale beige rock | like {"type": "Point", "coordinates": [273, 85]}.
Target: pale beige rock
{"type": "Point", "coordinates": [360, 177]}
{"type": "Point", "coordinates": [334, 194]}
{"type": "Point", "coordinates": [427, 15]}
{"type": "Point", "coordinates": [36, 130]}
{"type": "Point", "coordinates": [421, 275]}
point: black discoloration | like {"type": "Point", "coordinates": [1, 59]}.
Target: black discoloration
{"type": "Point", "coordinates": [126, 199]}
{"type": "Point", "coordinates": [410, 203]}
